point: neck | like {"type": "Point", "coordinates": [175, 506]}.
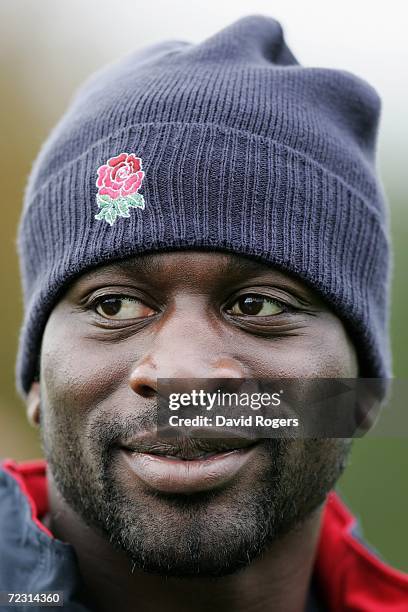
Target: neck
{"type": "Point", "coordinates": [278, 580]}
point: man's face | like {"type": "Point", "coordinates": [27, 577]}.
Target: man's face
{"type": "Point", "coordinates": [189, 314]}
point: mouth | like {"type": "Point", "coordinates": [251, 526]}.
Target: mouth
{"type": "Point", "coordinates": [188, 466]}
{"type": "Point", "coordinates": [186, 449]}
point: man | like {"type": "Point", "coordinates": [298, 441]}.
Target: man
{"type": "Point", "coordinates": [202, 211]}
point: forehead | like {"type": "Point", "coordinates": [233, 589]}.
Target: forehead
{"type": "Point", "coordinates": [207, 269]}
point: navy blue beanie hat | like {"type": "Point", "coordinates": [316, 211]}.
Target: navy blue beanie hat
{"type": "Point", "coordinates": [230, 145]}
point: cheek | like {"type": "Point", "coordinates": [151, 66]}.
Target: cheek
{"type": "Point", "coordinates": [76, 371]}
{"type": "Point", "coordinates": [338, 356]}
{"type": "Point", "coordinates": [321, 350]}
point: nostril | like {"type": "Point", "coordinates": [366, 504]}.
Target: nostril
{"type": "Point", "coordinates": [144, 390]}
{"type": "Point", "coordinates": [143, 381]}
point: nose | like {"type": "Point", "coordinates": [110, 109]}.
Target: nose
{"type": "Point", "coordinates": [186, 362]}
{"type": "Point", "coordinates": [144, 377]}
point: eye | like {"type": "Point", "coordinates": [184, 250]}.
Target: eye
{"type": "Point", "coordinates": [118, 307]}
{"type": "Point", "coordinates": [256, 305]}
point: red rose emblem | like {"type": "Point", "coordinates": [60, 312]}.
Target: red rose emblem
{"type": "Point", "coordinates": [121, 176]}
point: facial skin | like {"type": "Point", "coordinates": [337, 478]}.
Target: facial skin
{"type": "Point", "coordinates": [181, 315]}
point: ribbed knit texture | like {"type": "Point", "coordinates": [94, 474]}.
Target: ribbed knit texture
{"type": "Point", "coordinates": [243, 150]}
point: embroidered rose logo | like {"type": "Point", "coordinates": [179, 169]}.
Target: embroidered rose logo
{"type": "Point", "coordinates": [119, 181]}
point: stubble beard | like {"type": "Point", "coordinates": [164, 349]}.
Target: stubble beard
{"type": "Point", "coordinates": [209, 534]}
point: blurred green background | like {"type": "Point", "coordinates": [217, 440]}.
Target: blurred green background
{"type": "Point", "coordinates": [49, 47]}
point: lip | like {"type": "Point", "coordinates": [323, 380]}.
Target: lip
{"type": "Point", "coordinates": [172, 474]}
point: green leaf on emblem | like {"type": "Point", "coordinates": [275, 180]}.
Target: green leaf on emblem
{"type": "Point", "coordinates": [104, 200]}
{"type": "Point", "coordinates": [100, 215]}
{"type": "Point", "coordinates": [136, 200]}
{"type": "Point", "coordinates": [123, 207]}
{"type": "Point", "coordinates": [111, 209]}
{"type": "Point", "coordinates": [110, 215]}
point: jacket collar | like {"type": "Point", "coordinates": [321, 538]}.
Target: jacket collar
{"type": "Point", "coordinates": [32, 560]}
